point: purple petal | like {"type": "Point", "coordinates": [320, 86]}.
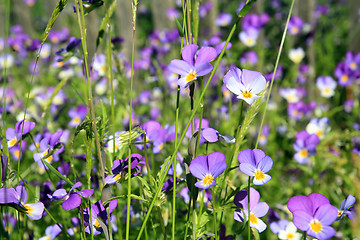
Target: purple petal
{"type": "Point", "coordinates": [76, 185]}
{"type": "Point", "coordinates": [44, 144]}
{"type": "Point", "coordinates": [35, 210]}
{"type": "Point", "coordinates": [265, 164]}
{"type": "Point", "coordinates": [59, 194]}
{"type": "Point", "coordinates": [203, 69]}
{"type": "Point", "coordinates": [253, 81]}
{"type": "Point", "coordinates": [210, 134]}
{"type": "Point", "coordinates": [86, 192]}
{"type": "Point", "coordinates": [217, 163]}
{"type": "Point", "coordinates": [55, 138]}
{"type": "Point", "coordinates": [21, 191]}
{"type": "Point", "coordinates": [110, 179]}
{"type": "Point", "coordinates": [179, 67]}
{"type": "Point", "coordinates": [347, 202]}
{"type": "Point", "coordinates": [8, 195]}
{"type": "Point", "coordinates": [246, 156]}
{"type": "Point", "coordinates": [199, 184]}
{"type": "Point", "coordinates": [28, 126]}
{"type": "Point", "coordinates": [112, 205]}
{"type": "Point", "coordinates": [302, 220]}
{"type": "Point", "coordinates": [234, 86]}
{"type": "Point", "coordinates": [188, 53]}
{"type": "Point", "coordinates": [260, 209]}
{"type": "Point", "coordinates": [151, 126]}
{"type": "Point", "coordinates": [318, 200]}
{"type": "Point", "coordinates": [254, 197]}
{"type": "Point", "coordinates": [326, 214]}
{"type": "Point", "coordinates": [301, 203]}
{"type": "Point", "coordinates": [10, 134]}
{"type": "Point", "coordinates": [234, 73]}
{"type": "Point", "coordinates": [259, 155]}
{"type": "Point", "coordinates": [198, 167]}
{"type": "Point", "coordinates": [205, 55]}
{"type": "Point", "coordinates": [248, 169]}
{"type": "Point", "coordinates": [326, 233]}
{"type": "Point", "coordinates": [240, 199]}
{"type": "Point", "coordinates": [72, 202]}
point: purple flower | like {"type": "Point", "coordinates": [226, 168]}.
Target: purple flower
{"type": "Point", "coordinates": [120, 168]}
{"type": "Point", "coordinates": [285, 230]}
{"type": "Point", "coordinates": [257, 209]}
{"type": "Point", "coordinates": [98, 213]}
{"type": "Point", "coordinates": [249, 58]}
{"type": "Point", "coordinates": [313, 214]}
{"type": "Point", "coordinates": [223, 19]}
{"type": "Point", "coordinates": [245, 84]}
{"type": "Point", "coordinates": [343, 74]}
{"type": "Point", "coordinates": [18, 198]}
{"type": "Point", "coordinates": [326, 85]}
{"type": "Point", "coordinates": [47, 149]}
{"type": "Point", "coordinates": [295, 25]}
{"type": "Point", "coordinates": [352, 60]}
{"type": "Point", "coordinates": [207, 168]}
{"type": "Point", "coordinates": [190, 68]}
{"type": "Point", "coordinates": [305, 146]}
{"type": "Point", "coordinates": [255, 164]}
{"type": "Point", "coordinates": [77, 115]}
{"type": "Point", "coordinates": [346, 208]}
{"type": "Point", "coordinates": [13, 135]}
{"type": "Point", "coordinates": [249, 37]}
{"type": "Point", "coordinates": [51, 232]}
{"type": "Point", "coordinates": [71, 199]}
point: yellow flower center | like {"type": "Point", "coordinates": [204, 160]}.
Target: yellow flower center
{"type": "Point", "coordinates": [290, 236]}
{"type": "Point", "coordinates": [208, 179]}
{"type": "Point", "coordinates": [259, 175]}
{"type": "Point", "coordinates": [117, 177]}
{"type": "Point", "coordinates": [77, 120]}
{"type": "Point", "coordinates": [29, 209]}
{"type": "Point", "coordinates": [17, 153]}
{"type": "Point", "coordinates": [249, 42]}
{"type": "Point", "coordinates": [161, 146]}
{"type": "Point", "coordinates": [97, 224]}
{"type": "Point", "coordinates": [316, 226]}
{"type": "Point", "coordinates": [326, 90]}
{"type": "Point", "coordinates": [247, 94]}
{"type": "Point", "coordinates": [344, 78]}
{"type": "Point", "coordinates": [304, 153]}
{"type": "Point", "coordinates": [353, 65]}
{"type": "Point", "coordinates": [340, 213]}
{"type": "Point", "coordinates": [319, 133]}
{"type": "Point", "coordinates": [12, 142]}
{"type": "Point", "coordinates": [295, 30]}
{"type": "Point", "coordinates": [191, 76]}
{"type": "Point", "coordinates": [55, 39]}
{"type": "Point", "coordinates": [253, 219]}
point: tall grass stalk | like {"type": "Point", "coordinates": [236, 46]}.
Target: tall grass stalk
{"type": "Point", "coordinates": [134, 10]}
{"type": "Point", "coordinates": [241, 14]}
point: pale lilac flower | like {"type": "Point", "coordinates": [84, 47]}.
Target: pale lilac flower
{"type": "Point", "coordinates": [51, 232]}
{"type": "Point", "coordinates": [326, 85]}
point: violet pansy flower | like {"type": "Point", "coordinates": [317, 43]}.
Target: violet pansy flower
{"type": "Point", "coordinates": [305, 146]}
{"type": "Point", "coordinates": [47, 148]}
{"type": "Point", "coordinates": [51, 232]}
{"type": "Point", "coordinates": [257, 209]}
{"type": "Point", "coordinates": [313, 214]}
{"type": "Point", "coordinates": [120, 168]}
{"type": "Point", "coordinates": [326, 85]}
{"type": "Point", "coordinates": [71, 199]}
{"type": "Point", "coordinates": [346, 207]}
{"type": "Point", "coordinates": [13, 135]}
{"type": "Point", "coordinates": [255, 164]}
{"type": "Point", "coordinates": [77, 115]}
{"type": "Point", "coordinates": [190, 67]}
{"type": "Point", "coordinates": [285, 230]}
{"type": "Point", "coordinates": [207, 168]}
{"type": "Point", "coordinates": [245, 84]}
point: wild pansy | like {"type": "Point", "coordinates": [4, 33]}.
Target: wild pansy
{"type": "Point", "coordinates": [17, 199]}
{"type": "Point", "coordinates": [305, 146]}
{"type": "Point", "coordinates": [343, 74]}
{"type": "Point", "coordinates": [249, 37]}
{"type": "Point", "coordinates": [326, 85]}
{"type": "Point", "coordinates": [296, 55]}
{"type": "Point", "coordinates": [98, 214]}
{"type": "Point", "coordinates": [285, 230]}
{"type": "Point", "coordinates": [313, 214]}
{"type": "Point", "coordinates": [295, 25]}
{"type": "Point", "coordinates": [47, 149]}
{"type": "Point", "coordinates": [51, 232]}
{"type": "Point", "coordinates": [263, 139]}
{"type": "Point", "coordinates": [346, 208]}
{"type": "Point", "coordinates": [249, 58]}
{"type": "Point", "coordinates": [292, 95]}
{"type": "Point", "coordinates": [257, 209]}
{"type": "Point", "coordinates": [246, 84]}
{"type": "Point", "coordinates": [155, 134]}
{"type": "Point", "coordinates": [9, 222]}
{"type": "Point", "coordinates": [60, 36]}
{"type": "Point", "coordinates": [6, 60]}
{"type": "Point", "coordinates": [223, 19]}
{"type": "Point", "coordinates": [193, 65]}
{"type": "Point", "coordinates": [13, 135]}
{"type": "Point", "coordinates": [207, 168]}
{"type": "Point", "coordinates": [120, 168]}
{"type": "Point", "coordinates": [255, 163]}
{"type": "Point", "coordinates": [15, 151]}
{"type": "Point", "coordinates": [70, 199]}
{"type": "Point", "coordinates": [352, 60]}
{"type": "Point", "coordinates": [77, 115]}
{"type": "Point", "coordinates": [320, 126]}
{"type": "Point", "coordinates": [99, 64]}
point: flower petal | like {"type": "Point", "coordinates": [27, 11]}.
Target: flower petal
{"type": "Point", "coordinates": [318, 200]}
{"type": "Point", "coordinates": [35, 210]}
{"type": "Point", "coordinates": [260, 209]}
{"type": "Point", "coordinates": [188, 53]}
{"type": "Point", "coordinates": [326, 214]}
{"type": "Point", "coordinates": [217, 163]}
{"type": "Point", "coordinates": [72, 202]}
{"type": "Point", "coordinates": [302, 220]}
{"type": "Point", "coordinates": [262, 181]}
{"type": "Point", "coordinates": [254, 81]}
{"type": "Point", "coordinates": [326, 233]}
{"type": "Point", "coordinates": [246, 156]}
{"type": "Point", "coordinates": [198, 167]}
{"type": "Point", "coordinates": [234, 86]}
{"type": "Point", "coordinates": [86, 192]}
{"type": "Point", "coordinates": [179, 67]}
{"type": "Point", "coordinates": [302, 203]}
{"type": "Point", "coordinates": [205, 55]}
{"type": "Point", "coordinates": [248, 169]}
{"type": "Point", "coordinates": [265, 164]}
{"type": "Point", "coordinates": [203, 69]}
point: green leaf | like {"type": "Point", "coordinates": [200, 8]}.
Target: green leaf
{"type": "Point", "coordinates": [179, 27]}
{"type": "Point", "coordinates": [53, 170]}
{"type": "Point", "coordinates": [246, 9]}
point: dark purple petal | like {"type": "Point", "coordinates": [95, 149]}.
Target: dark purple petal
{"type": "Point", "coordinates": [240, 199]}
{"type": "Point", "coordinates": [180, 67]}
{"type": "Point", "coordinates": [217, 163]}
{"type": "Point", "coordinates": [86, 192]}
{"type": "Point", "coordinates": [54, 139]}
{"type": "Point", "coordinates": [198, 167]}
{"type": "Point", "coordinates": [72, 202]}
{"type": "Point", "coordinates": [301, 203]}
{"type": "Point", "coordinates": [188, 53]}
{"type": "Point", "coordinates": [246, 156]}
{"type": "Point", "coordinates": [326, 214]}
{"type": "Point", "coordinates": [205, 55]}
{"type": "Point", "coordinates": [302, 220]}
{"type": "Point", "coordinates": [238, 215]}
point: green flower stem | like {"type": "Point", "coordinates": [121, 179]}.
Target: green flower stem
{"type": "Point", "coordinates": [276, 66]}
{"type": "Point", "coordinates": [248, 189]}
{"type": "Point", "coordinates": [134, 10]}
{"type": "Point", "coordinates": [81, 22]}
{"type": "Point", "coordinates": [188, 10]}
{"type": "Point", "coordinates": [242, 13]}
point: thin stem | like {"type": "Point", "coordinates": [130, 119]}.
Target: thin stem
{"type": "Point", "coordinates": [276, 66]}
{"type": "Point", "coordinates": [134, 9]}
{"type": "Point", "coordinates": [110, 77]}
{"type": "Point", "coordinates": [188, 10]}
{"type": "Point", "coordinates": [248, 188]}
